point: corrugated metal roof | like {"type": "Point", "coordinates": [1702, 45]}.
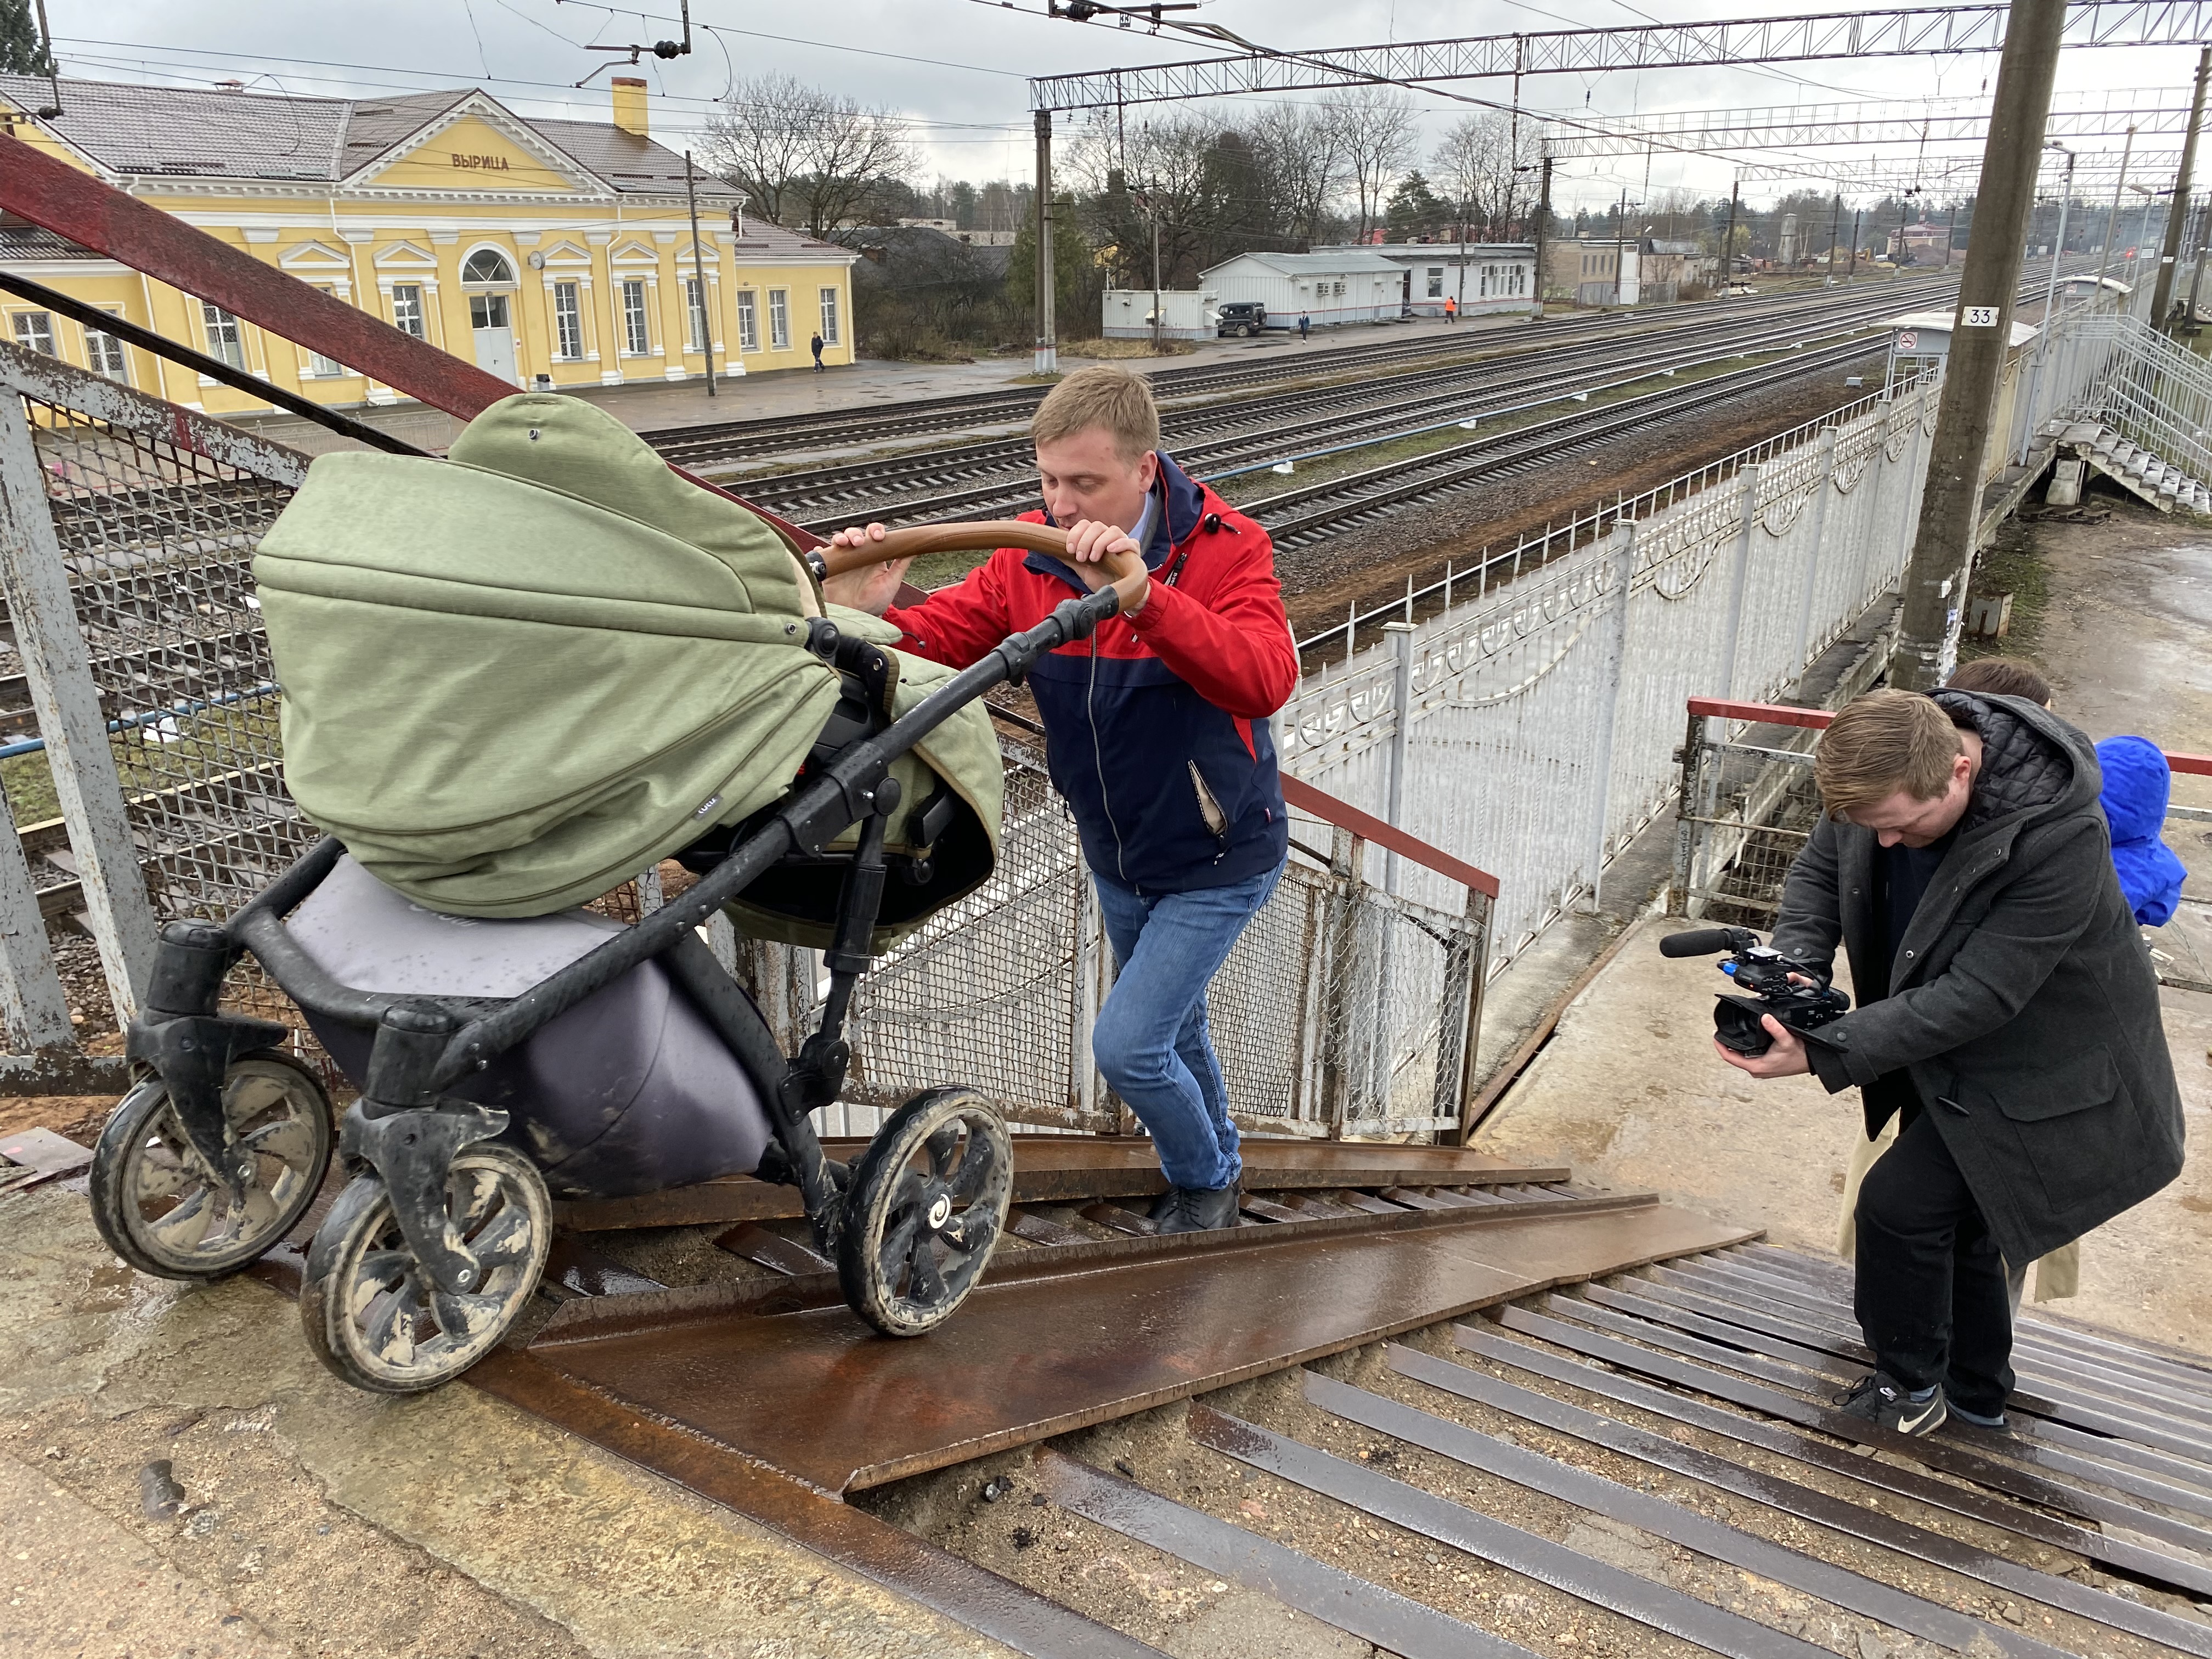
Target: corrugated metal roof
{"type": "Point", "coordinates": [21, 241]}
{"type": "Point", "coordinates": [629, 163]}
{"type": "Point", "coordinates": [1344, 262]}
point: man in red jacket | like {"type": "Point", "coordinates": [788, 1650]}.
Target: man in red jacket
{"type": "Point", "coordinates": [1157, 737]}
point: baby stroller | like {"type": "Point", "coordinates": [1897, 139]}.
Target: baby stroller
{"type": "Point", "coordinates": [507, 1046]}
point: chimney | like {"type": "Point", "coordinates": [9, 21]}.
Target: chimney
{"type": "Point", "coordinates": [629, 104]}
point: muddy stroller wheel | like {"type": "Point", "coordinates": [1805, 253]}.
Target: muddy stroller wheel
{"type": "Point", "coordinates": [157, 1205]}
{"type": "Point", "coordinates": [372, 1314]}
{"type": "Point", "coordinates": [926, 1201]}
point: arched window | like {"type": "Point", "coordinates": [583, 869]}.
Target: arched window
{"type": "Point", "coordinates": [488, 265]}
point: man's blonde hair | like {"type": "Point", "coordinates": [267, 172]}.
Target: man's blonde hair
{"type": "Point", "coordinates": [1879, 744]}
{"type": "Point", "coordinates": [1101, 396]}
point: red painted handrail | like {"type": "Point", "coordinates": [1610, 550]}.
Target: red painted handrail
{"type": "Point", "coordinates": [59, 198]}
{"type": "Point", "coordinates": [1776, 714]}
{"type": "Point", "coordinates": [1345, 815]}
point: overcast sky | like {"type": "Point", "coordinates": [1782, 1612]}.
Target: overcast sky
{"type": "Point", "coordinates": [958, 68]}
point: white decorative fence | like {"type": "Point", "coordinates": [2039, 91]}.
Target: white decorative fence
{"type": "Point", "coordinates": [1532, 730]}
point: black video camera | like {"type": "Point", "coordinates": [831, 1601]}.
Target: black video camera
{"type": "Point", "coordinates": [1762, 986]}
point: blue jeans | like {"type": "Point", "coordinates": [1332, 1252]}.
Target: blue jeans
{"type": "Point", "coordinates": [1151, 1041]}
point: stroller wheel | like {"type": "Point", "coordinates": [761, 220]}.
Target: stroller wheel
{"type": "Point", "coordinates": [153, 1201]}
{"type": "Point", "coordinates": [372, 1314]}
{"type": "Point", "coordinates": [928, 1200]}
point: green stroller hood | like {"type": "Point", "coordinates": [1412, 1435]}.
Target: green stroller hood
{"type": "Point", "coordinates": [515, 678]}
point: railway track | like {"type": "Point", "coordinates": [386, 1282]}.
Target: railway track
{"type": "Point", "coordinates": [983, 480]}
{"type": "Point", "coordinates": [726, 443]}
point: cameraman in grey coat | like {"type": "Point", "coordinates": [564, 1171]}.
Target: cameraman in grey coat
{"type": "Point", "coordinates": [2008, 1012]}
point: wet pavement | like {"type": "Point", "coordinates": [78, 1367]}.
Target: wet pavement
{"type": "Point", "coordinates": [316, 1520]}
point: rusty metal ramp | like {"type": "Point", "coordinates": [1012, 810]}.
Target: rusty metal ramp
{"type": "Point", "coordinates": [1062, 1336]}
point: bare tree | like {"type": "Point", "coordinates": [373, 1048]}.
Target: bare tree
{"type": "Point", "coordinates": [803, 157]}
{"type": "Point", "coordinates": [1475, 163]}
{"type": "Point", "coordinates": [1303, 150]}
{"type": "Point", "coordinates": [1375, 127]}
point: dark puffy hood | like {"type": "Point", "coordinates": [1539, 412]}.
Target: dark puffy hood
{"type": "Point", "coordinates": [2137, 782]}
{"type": "Point", "coordinates": [2033, 763]}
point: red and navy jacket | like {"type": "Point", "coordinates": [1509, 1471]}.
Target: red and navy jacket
{"type": "Point", "coordinates": [1157, 728]}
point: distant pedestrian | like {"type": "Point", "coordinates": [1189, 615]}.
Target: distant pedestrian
{"type": "Point", "coordinates": [1451, 309]}
{"type": "Point", "coordinates": [1305, 327]}
{"type": "Point", "coordinates": [815, 346]}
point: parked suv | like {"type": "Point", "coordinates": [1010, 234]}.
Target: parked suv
{"type": "Point", "coordinates": [1244, 317]}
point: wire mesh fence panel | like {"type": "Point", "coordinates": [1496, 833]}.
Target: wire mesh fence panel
{"type": "Point", "coordinates": [158, 542]}
{"type": "Point", "coordinates": [988, 991]}
{"type": "Point", "coordinates": [1533, 731]}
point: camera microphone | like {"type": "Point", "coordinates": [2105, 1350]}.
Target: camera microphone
{"type": "Point", "coordinates": [1700, 942]}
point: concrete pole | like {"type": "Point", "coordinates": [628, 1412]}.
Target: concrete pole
{"type": "Point", "coordinates": [1047, 360]}
{"type": "Point", "coordinates": [699, 275]}
{"type": "Point", "coordinates": [1835, 235]}
{"type": "Point", "coordinates": [1543, 224]}
{"type": "Point", "coordinates": [2113, 219]}
{"type": "Point", "coordinates": [1728, 243]}
{"type": "Point", "coordinates": [1943, 547]}
{"type": "Point", "coordinates": [1156, 282]}
{"type": "Point", "coordinates": [2177, 212]}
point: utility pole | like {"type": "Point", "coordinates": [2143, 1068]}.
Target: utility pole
{"type": "Point", "coordinates": [2178, 212]}
{"type": "Point", "coordinates": [1047, 361]}
{"type": "Point", "coordinates": [1951, 506]}
{"type": "Point", "coordinates": [699, 275]}
{"type": "Point", "coordinates": [1835, 235]}
{"type": "Point", "coordinates": [2188, 323]}
{"type": "Point", "coordinates": [1852, 269]}
{"type": "Point", "coordinates": [1156, 281]}
{"type": "Point", "coordinates": [1728, 243]}
{"type": "Point", "coordinates": [1543, 223]}
{"type": "Point", "coordinates": [1897, 253]}
{"type": "Point", "coordinates": [1619, 244]}
{"type": "Point", "coordinates": [2113, 219]}
{"type": "Point", "coordinates": [1950, 234]}
{"type": "Point", "coordinates": [1462, 254]}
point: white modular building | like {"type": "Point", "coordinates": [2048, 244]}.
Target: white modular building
{"type": "Point", "coordinates": [1185, 314]}
{"type": "Point", "coordinates": [1483, 277]}
{"type": "Point", "coordinates": [1333, 286]}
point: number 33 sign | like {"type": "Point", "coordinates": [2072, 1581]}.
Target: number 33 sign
{"type": "Point", "coordinates": [1978, 317]}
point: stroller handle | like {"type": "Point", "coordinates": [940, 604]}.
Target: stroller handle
{"type": "Point", "coordinates": [1130, 576]}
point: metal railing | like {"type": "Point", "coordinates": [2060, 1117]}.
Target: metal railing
{"type": "Point", "coordinates": [1534, 724]}
{"type": "Point", "coordinates": [146, 777]}
{"type": "Point", "coordinates": [1748, 804]}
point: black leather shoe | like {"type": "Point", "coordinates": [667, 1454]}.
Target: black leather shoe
{"type": "Point", "coordinates": [1195, 1209]}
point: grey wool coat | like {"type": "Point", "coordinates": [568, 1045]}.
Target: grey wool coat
{"type": "Point", "coordinates": [2021, 1005]}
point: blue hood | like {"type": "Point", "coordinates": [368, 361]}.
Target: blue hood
{"type": "Point", "coordinates": [2136, 785]}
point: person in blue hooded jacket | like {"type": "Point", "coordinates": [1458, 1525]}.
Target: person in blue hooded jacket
{"type": "Point", "coordinates": [2137, 784]}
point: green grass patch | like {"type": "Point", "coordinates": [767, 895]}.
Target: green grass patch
{"type": "Point", "coordinates": [2010, 564]}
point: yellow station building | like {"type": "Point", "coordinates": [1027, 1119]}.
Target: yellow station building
{"type": "Point", "coordinates": [549, 252]}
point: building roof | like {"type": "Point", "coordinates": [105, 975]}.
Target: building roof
{"type": "Point", "coordinates": [1686, 249]}
{"type": "Point", "coordinates": [198, 132]}
{"type": "Point", "coordinates": [1343, 262]}
{"type": "Point", "coordinates": [1939, 322]}
{"type": "Point", "coordinates": [20, 240]}
{"type": "Point", "coordinates": [1436, 250]}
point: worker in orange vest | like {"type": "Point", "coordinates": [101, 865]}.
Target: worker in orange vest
{"type": "Point", "coordinates": [1451, 309]}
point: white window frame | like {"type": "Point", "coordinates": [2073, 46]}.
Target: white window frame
{"type": "Point", "coordinates": [1435, 281]}
{"type": "Point", "coordinates": [225, 334]}
{"type": "Point", "coordinates": [34, 331]}
{"type": "Point", "coordinates": [779, 320]}
{"type": "Point", "coordinates": [748, 322]}
{"type": "Point", "coordinates": [320, 368]}
{"type": "Point", "coordinates": [829, 317]}
{"type": "Point", "coordinates": [408, 315]}
{"type": "Point", "coordinates": [695, 315]}
{"type": "Point", "coordinates": [100, 344]}
{"type": "Point", "coordinates": [569, 322]}
{"type": "Point", "coordinates": [638, 319]}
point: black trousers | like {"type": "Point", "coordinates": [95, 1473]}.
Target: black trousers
{"type": "Point", "coordinates": [1931, 1295]}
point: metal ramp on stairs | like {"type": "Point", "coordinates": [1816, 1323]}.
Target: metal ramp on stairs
{"type": "Point", "coordinates": [2147, 475]}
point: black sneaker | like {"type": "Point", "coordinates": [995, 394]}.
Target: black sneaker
{"type": "Point", "coordinates": [1195, 1209]}
{"type": "Point", "coordinates": [1880, 1400]}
